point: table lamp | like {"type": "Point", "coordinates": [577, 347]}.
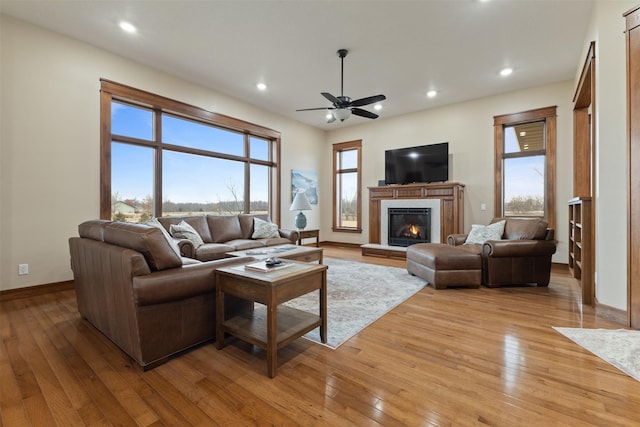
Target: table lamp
{"type": "Point", "coordinates": [300, 203]}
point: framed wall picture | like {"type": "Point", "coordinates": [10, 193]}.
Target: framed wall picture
{"type": "Point", "coordinates": [305, 182]}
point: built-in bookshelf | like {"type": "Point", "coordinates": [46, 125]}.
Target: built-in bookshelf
{"type": "Point", "coordinates": [580, 245]}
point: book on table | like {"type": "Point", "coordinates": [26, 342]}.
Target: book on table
{"type": "Point", "coordinates": [262, 266]}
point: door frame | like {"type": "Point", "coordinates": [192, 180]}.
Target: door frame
{"type": "Point", "coordinates": [584, 142]}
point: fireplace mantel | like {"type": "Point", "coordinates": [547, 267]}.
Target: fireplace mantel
{"type": "Point", "coordinates": [450, 194]}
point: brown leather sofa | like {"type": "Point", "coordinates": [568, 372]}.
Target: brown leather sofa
{"type": "Point", "coordinates": [523, 255]}
{"type": "Point", "coordinates": [222, 234]}
{"type": "Point", "coordinates": [134, 288]}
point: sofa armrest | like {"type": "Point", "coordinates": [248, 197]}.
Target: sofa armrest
{"type": "Point", "coordinates": [518, 248]}
{"type": "Point", "coordinates": [456, 239]}
{"type": "Point", "coordinates": [289, 234]}
{"type": "Point", "coordinates": [187, 248]}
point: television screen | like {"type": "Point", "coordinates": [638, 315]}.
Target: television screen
{"type": "Point", "coordinates": [425, 163]}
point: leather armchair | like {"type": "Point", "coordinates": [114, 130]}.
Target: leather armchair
{"type": "Point", "coordinates": [523, 255]}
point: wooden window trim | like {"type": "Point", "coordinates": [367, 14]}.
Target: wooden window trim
{"type": "Point", "coordinates": [548, 115]}
{"type": "Point", "coordinates": [345, 146]}
{"type": "Point", "coordinates": [111, 91]}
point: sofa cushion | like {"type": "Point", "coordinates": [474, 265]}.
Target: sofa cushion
{"type": "Point", "coordinates": [246, 224]}
{"type": "Point", "coordinates": [211, 251]}
{"type": "Point", "coordinates": [264, 229]}
{"type": "Point", "coordinates": [274, 241]}
{"type": "Point", "coordinates": [198, 222]}
{"type": "Point", "coordinates": [153, 222]}
{"type": "Point", "coordinates": [93, 229]}
{"type": "Point", "coordinates": [224, 228]}
{"type": "Point", "coordinates": [525, 229]}
{"type": "Point", "coordinates": [147, 240]}
{"type": "Point", "coordinates": [243, 244]}
{"type": "Point", "coordinates": [481, 233]}
{"type": "Point", "coordinates": [184, 230]}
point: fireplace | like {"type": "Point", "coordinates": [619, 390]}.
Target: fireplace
{"type": "Point", "coordinates": [408, 226]}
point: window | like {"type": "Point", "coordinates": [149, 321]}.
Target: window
{"type": "Point", "coordinates": [160, 157]}
{"type": "Point", "coordinates": [347, 204]}
{"type": "Point", "coordinates": [525, 146]}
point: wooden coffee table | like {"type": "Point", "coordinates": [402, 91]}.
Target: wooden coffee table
{"type": "Point", "coordinates": [270, 325]}
{"type": "Point", "coordinates": [293, 252]}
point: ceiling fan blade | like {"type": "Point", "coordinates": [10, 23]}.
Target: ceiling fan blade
{"type": "Point", "coordinates": [368, 100]}
{"type": "Point", "coordinates": [364, 113]}
{"type": "Point", "coordinates": [312, 109]}
{"type": "Point", "coordinates": [331, 98]}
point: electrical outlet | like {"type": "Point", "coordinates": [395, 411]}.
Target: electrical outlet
{"type": "Point", "coordinates": [23, 269]}
{"type": "Point", "coordinates": [483, 206]}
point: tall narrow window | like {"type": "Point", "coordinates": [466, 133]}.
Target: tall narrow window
{"type": "Point", "coordinates": [347, 173]}
{"type": "Point", "coordinates": [525, 164]}
{"type": "Point", "coordinates": [160, 157]}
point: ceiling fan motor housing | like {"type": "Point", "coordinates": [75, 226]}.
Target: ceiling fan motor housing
{"type": "Point", "coordinates": [344, 100]}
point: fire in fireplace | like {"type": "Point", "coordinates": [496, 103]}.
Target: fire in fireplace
{"type": "Point", "coordinates": [408, 226]}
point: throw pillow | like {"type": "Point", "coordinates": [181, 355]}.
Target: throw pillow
{"type": "Point", "coordinates": [481, 233]}
{"type": "Point", "coordinates": [264, 229]}
{"type": "Point", "coordinates": [174, 245]}
{"type": "Point", "coordinates": [184, 230]}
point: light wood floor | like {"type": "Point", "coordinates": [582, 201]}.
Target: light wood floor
{"type": "Point", "coordinates": [452, 357]}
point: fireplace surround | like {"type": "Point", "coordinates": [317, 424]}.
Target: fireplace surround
{"type": "Point", "coordinates": [446, 199]}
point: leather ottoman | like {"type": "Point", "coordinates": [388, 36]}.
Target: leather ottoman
{"type": "Point", "coordinates": [442, 265]}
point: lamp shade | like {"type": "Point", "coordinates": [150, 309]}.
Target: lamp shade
{"type": "Point", "coordinates": [342, 113]}
{"type": "Point", "coordinates": [300, 203]}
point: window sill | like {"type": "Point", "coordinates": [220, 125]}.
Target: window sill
{"type": "Point", "coordinates": [346, 230]}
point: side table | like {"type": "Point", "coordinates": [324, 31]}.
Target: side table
{"type": "Point", "coordinates": [305, 234]}
{"type": "Point", "coordinates": [271, 326]}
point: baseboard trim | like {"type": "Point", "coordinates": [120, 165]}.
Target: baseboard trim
{"type": "Point", "coordinates": [610, 313]}
{"type": "Point", "coordinates": [37, 290]}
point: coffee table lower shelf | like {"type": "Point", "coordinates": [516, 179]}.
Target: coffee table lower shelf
{"type": "Point", "coordinates": [251, 326]}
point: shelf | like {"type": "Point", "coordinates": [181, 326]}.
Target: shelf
{"type": "Point", "coordinates": [580, 251]}
{"type": "Point", "coordinates": [251, 326]}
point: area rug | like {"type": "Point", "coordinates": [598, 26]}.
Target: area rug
{"type": "Point", "coordinates": [619, 347]}
{"type": "Point", "coordinates": [357, 295]}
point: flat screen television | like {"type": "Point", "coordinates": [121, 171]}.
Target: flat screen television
{"type": "Point", "coordinates": [424, 163]}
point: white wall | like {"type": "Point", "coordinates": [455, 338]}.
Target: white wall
{"type": "Point", "coordinates": [468, 127]}
{"type": "Point", "coordinates": [49, 152]}
{"type": "Point", "coordinates": [607, 30]}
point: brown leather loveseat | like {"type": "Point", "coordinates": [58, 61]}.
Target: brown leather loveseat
{"type": "Point", "coordinates": [522, 256]}
{"type": "Point", "coordinates": [133, 287]}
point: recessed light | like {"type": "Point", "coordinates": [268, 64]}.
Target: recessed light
{"type": "Point", "coordinates": [377, 107]}
{"type": "Point", "coordinates": [506, 71]}
{"type": "Point", "coordinates": [432, 93]}
{"type": "Point", "coordinates": [261, 86]}
{"type": "Point", "coordinates": [127, 26]}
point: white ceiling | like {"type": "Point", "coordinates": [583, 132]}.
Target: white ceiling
{"type": "Point", "coordinates": [398, 48]}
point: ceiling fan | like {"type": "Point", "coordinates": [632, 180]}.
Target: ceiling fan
{"type": "Point", "coordinates": [343, 106]}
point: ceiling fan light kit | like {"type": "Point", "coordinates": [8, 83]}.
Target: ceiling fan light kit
{"type": "Point", "coordinates": [342, 114]}
{"type": "Point", "coordinates": [343, 106]}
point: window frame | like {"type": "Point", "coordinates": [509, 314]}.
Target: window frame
{"type": "Point", "coordinates": [548, 116]}
{"type": "Point", "coordinates": [111, 91]}
{"type": "Point", "coordinates": [337, 149]}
